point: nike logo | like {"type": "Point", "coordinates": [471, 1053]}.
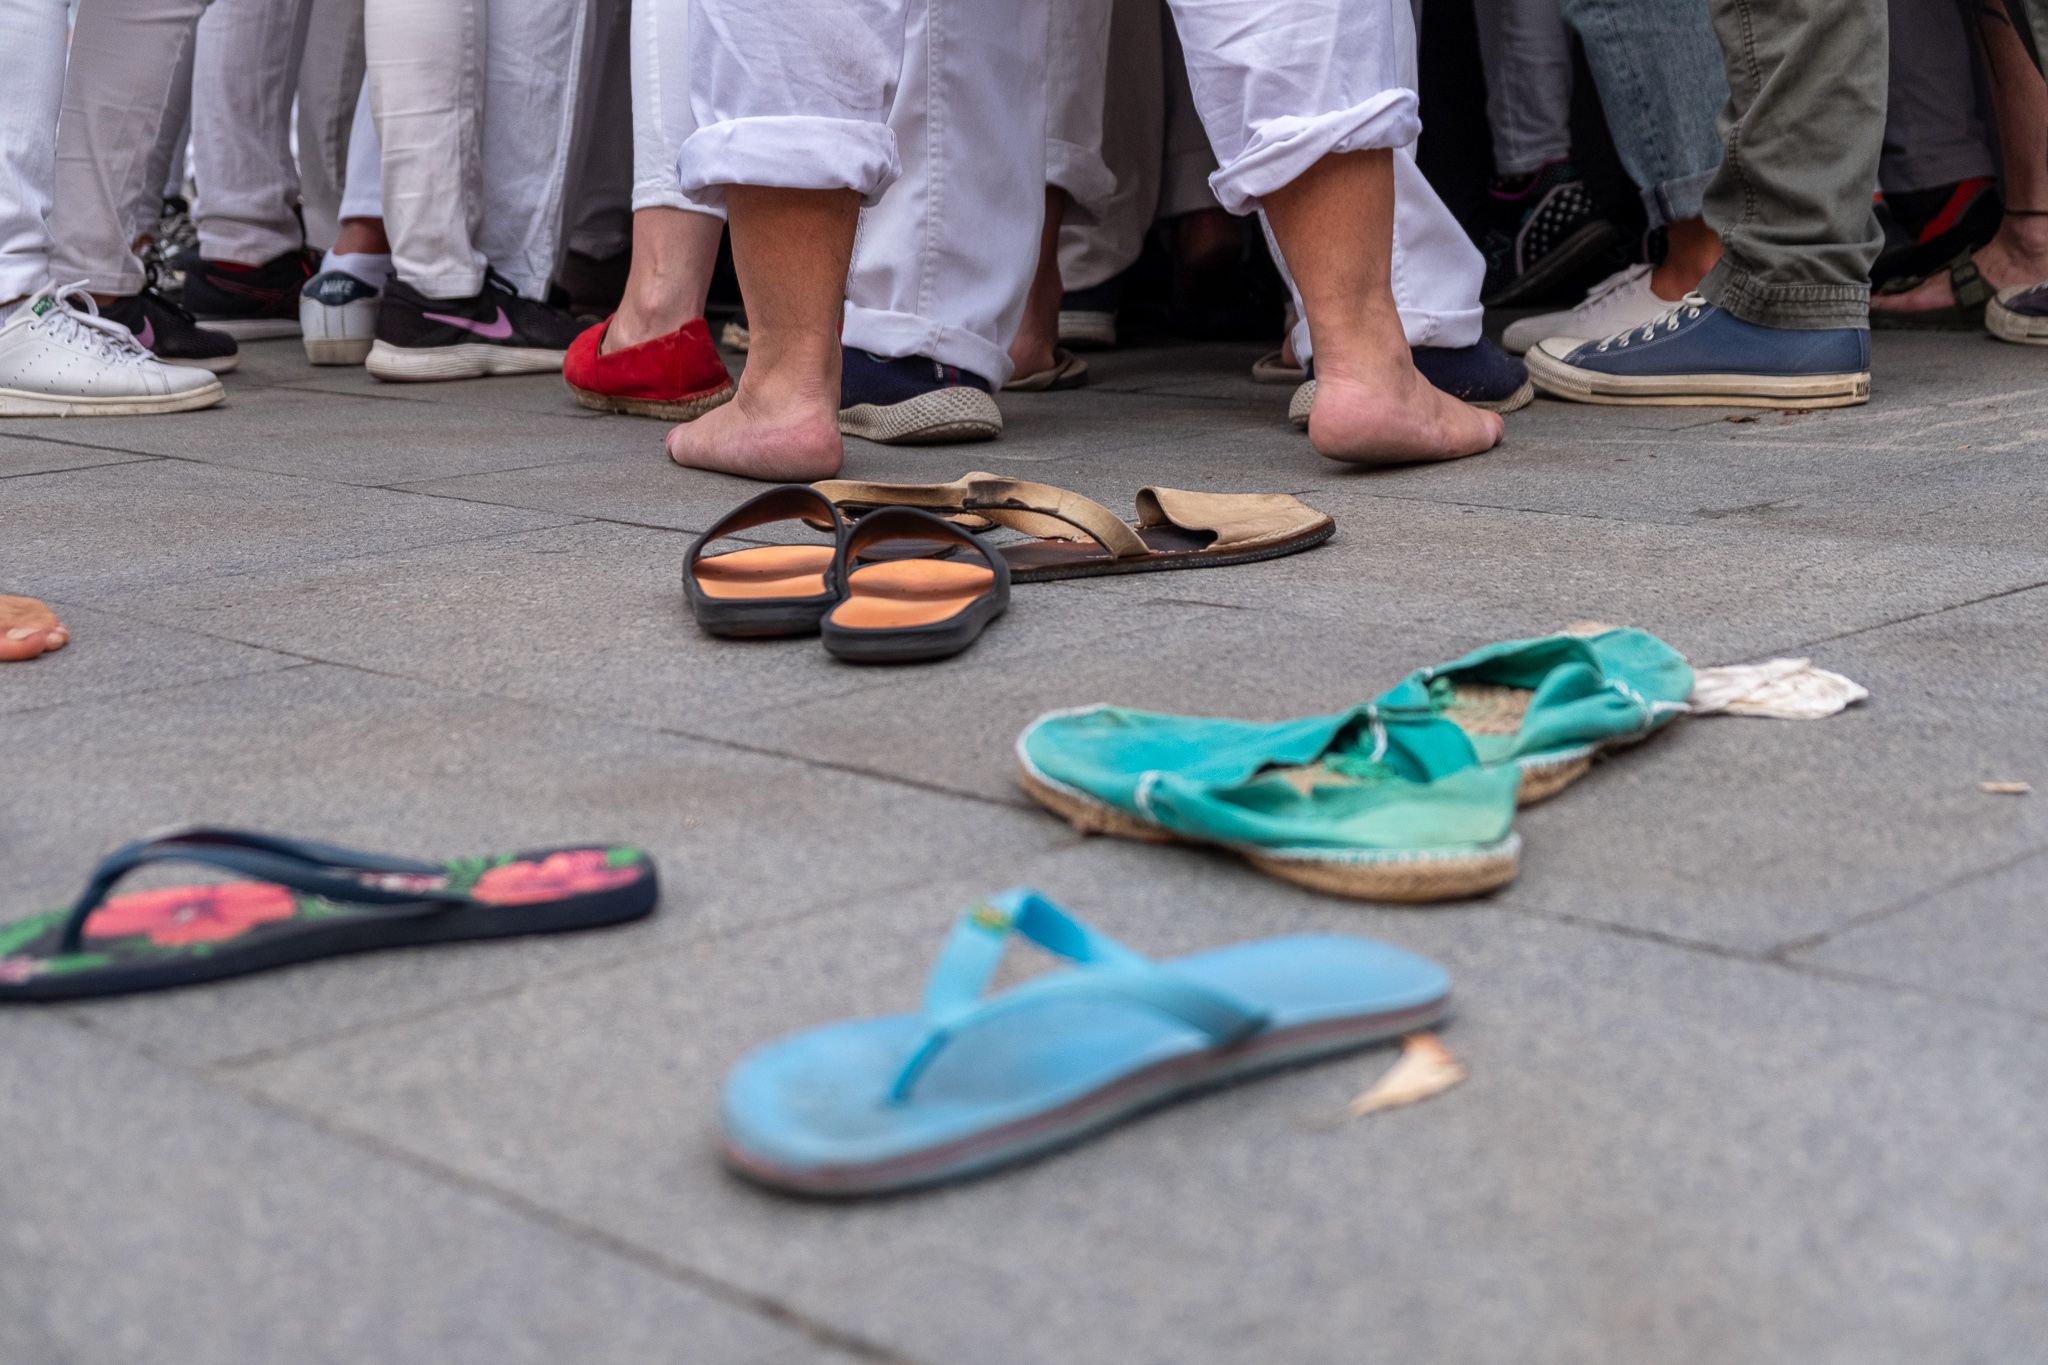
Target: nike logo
{"type": "Point", "coordinates": [148, 337]}
{"type": "Point", "coordinates": [498, 330]}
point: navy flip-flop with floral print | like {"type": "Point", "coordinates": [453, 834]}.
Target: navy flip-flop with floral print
{"type": "Point", "coordinates": [304, 901]}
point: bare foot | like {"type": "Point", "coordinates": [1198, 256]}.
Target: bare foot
{"type": "Point", "coordinates": [2003, 261]}
{"type": "Point", "coordinates": [783, 441]}
{"type": "Point", "coordinates": [28, 628]}
{"type": "Point", "coordinates": [1392, 417]}
{"type": "Point", "coordinates": [635, 322]}
{"type": "Point", "coordinates": [1032, 352]}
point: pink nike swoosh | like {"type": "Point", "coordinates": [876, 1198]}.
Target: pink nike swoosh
{"type": "Point", "coordinates": [489, 331]}
{"type": "Point", "coordinates": [148, 337]}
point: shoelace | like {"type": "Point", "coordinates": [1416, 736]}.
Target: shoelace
{"type": "Point", "coordinates": [1619, 280]}
{"type": "Point", "coordinates": [1690, 306]}
{"type": "Point", "coordinates": [74, 316]}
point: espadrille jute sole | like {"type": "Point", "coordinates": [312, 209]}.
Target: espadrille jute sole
{"type": "Point", "coordinates": [668, 410]}
{"type": "Point", "coordinates": [1409, 878]}
{"type": "Point", "coordinates": [950, 414]}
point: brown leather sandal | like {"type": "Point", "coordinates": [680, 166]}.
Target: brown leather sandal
{"type": "Point", "coordinates": [1175, 529]}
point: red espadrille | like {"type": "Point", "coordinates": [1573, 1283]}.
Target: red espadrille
{"type": "Point", "coordinates": [675, 377]}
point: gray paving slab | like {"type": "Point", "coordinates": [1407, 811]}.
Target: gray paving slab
{"type": "Point", "coordinates": [1616, 1183]}
{"type": "Point", "coordinates": [111, 655]}
{"type": "Point", "coordinates": [151, 1218]}
{"type": "Point", "coordinates": [404, 767]}
{"type": "Point", "coordinates": [117, 529]}
{"type": "Point", "coordinates": [592, 618]}
{"type": "Point", "coordinates": [281, 364]}
{"type": "Point", "coordinates": [20, 456]}
{"type": "Point", "coordinates": [1981, 938]}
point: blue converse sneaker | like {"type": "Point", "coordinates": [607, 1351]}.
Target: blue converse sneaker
{"type": "Point", "coordinates": [1698, 355]}
{"type": "Point", "coordinates": [2019, 314]}
{"type": "Point", "coordinates": [1480, 374]}
{"type": "Point", "coordinates": [913, 400]}
{"type": "Point", "coordinates": [338, 318]}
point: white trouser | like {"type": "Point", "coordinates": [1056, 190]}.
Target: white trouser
{"type": "Point", "coordinates": [125, 58]}
{"type": "Point", "coordinates": [943, 260]}
{"type": "Point", "coordinates": [165, 174]}
{"type": "Point", "coordinates": [253, 56]}
{"type": "Point", "coordinates": [1093, 250]}
{"type": "Point", "coordinates": [475, 103]}
{"type": "Point", "coordinates": [36, 34]}
{"type": "Point", "coordinates": [662, 120]}
{"type": "Point", "coordinates": [1076, 90]}
{"type": "Point", "coordinates": [362, 185]}
{"type": "Point", "coordinates": [1527, 54]}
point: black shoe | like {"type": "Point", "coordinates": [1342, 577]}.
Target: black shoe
{"type": "Point", "coordinates": [250, 301]}
{"type": "Point", "coordinates": [1548, 230]}
{"type": "Point", "coordinates": [168, 332]}
{"type": "Point", "coordinates": [1088, 316]}
{"type": "Point", "coordinates": [591, 287]}
{"type": "Point", "coordinates": [1926, 229]}
{"type": "Point", "coordinates": [913, 400]}
{"type": "Point", "coordinates": [494, 331]}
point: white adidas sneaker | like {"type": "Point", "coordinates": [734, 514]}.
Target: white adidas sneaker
{"type": "Point", "coordinates": [60, 358]}
{"type": "Point", "coordinates": [1618, 303]}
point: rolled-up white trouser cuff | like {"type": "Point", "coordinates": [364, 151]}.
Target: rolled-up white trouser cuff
{"type": "Point", "coordinates": [1084, 175]}
{"type": "Point", "coordinates": [1281, 149]}
{"type": "Point", "coordinates": [901, 334]}
{"type": "Point", "coordinates": [790, 152]}
{"type": "Point", "coordinates": [665, 194]}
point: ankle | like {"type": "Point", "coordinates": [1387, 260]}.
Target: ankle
{"type": "Point", "coordinates": [2024, 235]}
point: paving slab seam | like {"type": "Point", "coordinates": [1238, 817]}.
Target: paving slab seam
{"type": "Point", "coordinates": [44, 438]}
{"type": "Point", "coordinates": [127, 457]}
{"type": "Point", "coordinates": [298, 662]}
{"type": "Point", "coordinates": [1785, 951]}
{"type": "Point", "coordinates": [1770, 959]}
{"type": "Point", "coordinates": [547, 1220]}
{"type": "Point", "coordinates": [420, 490]}
{"type": "Point", "coordinates": [1911, 617]}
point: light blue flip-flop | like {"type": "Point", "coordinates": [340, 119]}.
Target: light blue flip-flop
{"type": "Point", "coordinates": [1346, 803]}
{"type": "Point", "coordinates": [975, 1082]}
{"type": "Point", "coordinates": [1548, 705]}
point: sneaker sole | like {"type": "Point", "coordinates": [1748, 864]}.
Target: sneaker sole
{"type": "Point", "coordinates": [1088, 331]}
{"type": "Point", "coordinates": [936, 418]}
{"type": "Point", "coordinates": [2006, 325]}
{"type": "Point", "coordinates": [250, 329]}
{"type": "Point", "coordinates": [1573, 254]}
{"type": "Point", "coordinates": [734, 337]}
{"type": "Point", "coordinates": [1560, 380]}
{"type": "Point", "coordinates": [469, 360]}
{"type": "Point", "coordinates": [1305, 398]}
{"type": "Point", "coordinates": [21, 403]}
{"type": "Point", "coordinates": [668, 410]}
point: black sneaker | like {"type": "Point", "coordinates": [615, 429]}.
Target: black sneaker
{"type": "Point", "coordinates": [168, 332]}
{"type": "Point", "coordinates": [494, 331]}
{"type": "Point", "coordinates": [1548, 229]}
{"type": "Point", "coordinates": [1088, 316]}
{"type": "Point", "coordinates": [913, 400]}
{"type": "Point", "coordinates": [250, 301]}
{"type": "Point", "coordinates": [174, 238]}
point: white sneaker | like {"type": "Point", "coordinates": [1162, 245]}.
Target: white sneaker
{"type": "Point", "coordinates": [60, 358]}
{"type": "Point", "coordinates": [1616, 304]}
{"type": "Point", "coordinates": [338, 318]}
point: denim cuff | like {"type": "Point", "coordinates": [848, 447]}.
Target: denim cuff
{"type": "Point", "coordinates": [1674, 201]}
{"type": "Point", "coordinates": [1800, 307]}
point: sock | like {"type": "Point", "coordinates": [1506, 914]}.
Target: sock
{"type": "Point", "coordinates": [370, 269]}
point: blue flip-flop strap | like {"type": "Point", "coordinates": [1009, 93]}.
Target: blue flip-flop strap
{"type": "Point", "coordinates": [318, 869]}
{"type": "Point", "coordinates": [1107, 970]}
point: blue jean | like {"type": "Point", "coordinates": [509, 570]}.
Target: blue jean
{"type": "Point", "coordinates": [1658, 68]}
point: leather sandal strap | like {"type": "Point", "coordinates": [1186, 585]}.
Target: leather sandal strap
{"type": "Point", "coordinates": [1233, 518]}
{"type": "Point", "coordinates": [1035, 509]}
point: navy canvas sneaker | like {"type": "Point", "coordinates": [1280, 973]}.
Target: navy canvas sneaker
{"type": "Point", "coordinates": [913, 400]}
{"type": "Point", "coordinates": [1088, 316]}
{"type": "Point", "coordinates": [168, 332]}
{"type": "Point", "coordinates": [1547, 229]}
{"type": "Point", "coordinates": [1698, 355]}
{"type": "Point", "coordinates": [249, 301]}
{"type": "Point", "coordinates": [338, 318]}
{"type": "Point", "coordinates": [494, 331]}
{"type": "Point", "coordinates": [2019, 314]}
{"type": "Point", "coordinates": [1481, 374]}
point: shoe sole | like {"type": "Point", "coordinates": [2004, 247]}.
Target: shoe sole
{"type": "Point", "coordinates": [1403, 878]}
{"type": "Point", "coordinates": [338, 335]}
{"type": "Point", "coordinates": [1305, 398]}
{"type": "Point", "coordinates": [1577, 385]}
{"type": "Point", "coordinates": [21, 403]}
{"type": "Point", "coordinates": [2006, 325]}
{"type": "Point", "coordinates": [940, 417]}
{"type": "Point", "coordinates": [250, 329]}
{"type": "Point", "coordinates": [734, 337]}
{"type": "Point", "coordinates": [1130, 1097]}
{"type": "Point", "coordinates": [668, 410]}
{"type": "Point", "coordinates": [1560, 263]}
{"type": "Point", "coordinates": [469, 360]}
{"type": "Point", "coordinates": [1088, 331]}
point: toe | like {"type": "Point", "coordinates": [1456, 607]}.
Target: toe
{"type": "Point", "coordinates": [22, 642]}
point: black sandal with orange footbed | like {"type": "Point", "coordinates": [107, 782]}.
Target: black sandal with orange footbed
{"type": "Point", "coordinates": [911, 609]}
{"type": "Point", "coordinates": [768, 590]}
